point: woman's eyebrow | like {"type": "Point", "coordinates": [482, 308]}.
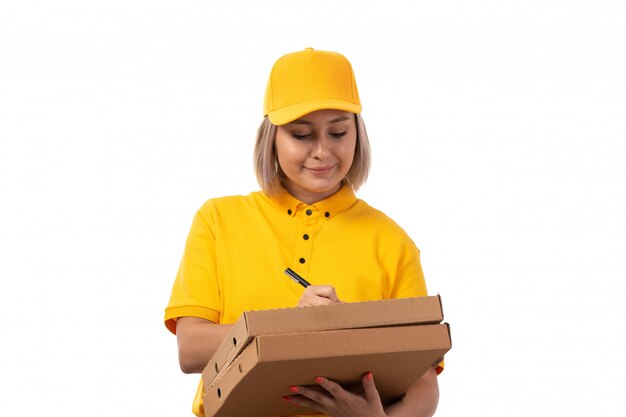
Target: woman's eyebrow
{"type": "Point", "coordinates": [305, 122]}
{"type": "Point", "coordinates": [339, 119]}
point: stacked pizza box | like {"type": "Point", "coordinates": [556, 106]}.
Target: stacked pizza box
{"type": "Point", "coordinates": [268, 351]}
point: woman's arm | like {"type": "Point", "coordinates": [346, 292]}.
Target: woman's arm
{"type": "Point", "coordinates": [421, 398]}
{"type": "Point", "coordinates": [198, 340]}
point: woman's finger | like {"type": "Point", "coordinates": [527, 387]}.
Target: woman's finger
{"type": "Point", "coordinates": [369, 386]}
{"type": "Point", "coordinates": [332, 387]}
{"type": "Point", "coordinates": [316, 295]}
{"type": "Point", "coordinates": [316, 395]}
{"type": "Point", "coordinates": [326, 291]}
{"type": "Point", "coordinates": [305, 402]}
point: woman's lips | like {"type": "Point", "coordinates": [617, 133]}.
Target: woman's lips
{"type": "Point", "coordinates": [320, 170]}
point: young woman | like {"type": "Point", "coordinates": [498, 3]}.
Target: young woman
{"type": "Point", "coordinates": [311, 154]}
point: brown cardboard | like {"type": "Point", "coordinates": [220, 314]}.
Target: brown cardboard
{"type": "Point", "coordinates": [253, 384]}
{"type": "Point", "coordinates": [368, 314]}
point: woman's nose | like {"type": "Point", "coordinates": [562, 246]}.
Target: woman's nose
{"type": "Point", "coordinates": [320, 148]}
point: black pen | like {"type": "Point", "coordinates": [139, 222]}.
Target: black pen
{"type": "Point", "coordinates": [297, 277]}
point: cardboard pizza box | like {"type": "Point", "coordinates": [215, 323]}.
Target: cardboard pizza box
{"type": "Point", "coordinates": [254, 382]}
{"type": "Point", "coordinates": [368, 314]}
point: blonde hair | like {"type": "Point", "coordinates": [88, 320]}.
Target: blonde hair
{"type": "Point", "coordinates": [268, 172]}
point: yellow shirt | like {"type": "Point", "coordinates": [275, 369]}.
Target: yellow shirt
{"type": "Point", "coordinates": [239, 247]}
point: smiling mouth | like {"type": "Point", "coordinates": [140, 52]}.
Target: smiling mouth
{"type": "Point", "coordinates": [321, 170]}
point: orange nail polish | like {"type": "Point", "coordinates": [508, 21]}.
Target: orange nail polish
{"type": "Point", "coordinates": [293, 388]}
{"type": "Point", "coordinates": [369, 376]}
{"type": "Point", "coordinates": [319, 380]}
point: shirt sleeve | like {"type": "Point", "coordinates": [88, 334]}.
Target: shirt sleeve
{"type": "Point", "coordinates": [406, 275]}
{"type": "Point", "coordinates": [196, 288]}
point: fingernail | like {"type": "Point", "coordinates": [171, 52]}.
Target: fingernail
{"type": "Point", "coordinates": [369, 376]}
{"type": "Point", "coordinates": [319, 380]}
{"type": "Point", "coordinates": [293, 388]}
{"type": "Point", "coordinates": [286, 398]}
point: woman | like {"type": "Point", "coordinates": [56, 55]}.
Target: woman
{"type": "Point", "coordinates": [311, 154]}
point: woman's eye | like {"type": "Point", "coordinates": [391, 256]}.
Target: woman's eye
{"type": "Point", "coordinates": [337, 135]}
{"type": "Point", "coordinates": [300, 136]}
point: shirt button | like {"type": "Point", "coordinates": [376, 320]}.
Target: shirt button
{"type": "Point", "coordinates": [305, 237]}
{"type": "Point", "coordinates": [302, 260]}
{"type": "Point", "coordinates": [327, 214]}
{"type": "Point", "coordinates": [289, 211]}
{"type": "Point", "coordinates": [309, 212]}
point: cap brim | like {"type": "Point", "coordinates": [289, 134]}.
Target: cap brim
{"type": "Point", "coordinates": [290, 113]}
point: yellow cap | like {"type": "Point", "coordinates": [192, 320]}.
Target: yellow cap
{"type": "Point", "coordinates": [310, 80]}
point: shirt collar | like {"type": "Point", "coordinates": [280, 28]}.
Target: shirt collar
{"type": "Point", "coordinates": [329, 207]}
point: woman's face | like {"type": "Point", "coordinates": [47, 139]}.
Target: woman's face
{"type": "Point", "coordinates": [315, 152]}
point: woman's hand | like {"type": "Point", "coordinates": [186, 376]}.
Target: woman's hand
{"type": "Point", "coordinates": [318, 295]}
{"type": "Point", "coordinates": [334, 401]}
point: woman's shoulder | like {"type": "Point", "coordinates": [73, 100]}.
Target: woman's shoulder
{"type": "Point", "coordinates": [378, 219]}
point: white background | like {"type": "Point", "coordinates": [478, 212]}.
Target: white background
{"type": "Point", "coordinates": [499, 137]}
